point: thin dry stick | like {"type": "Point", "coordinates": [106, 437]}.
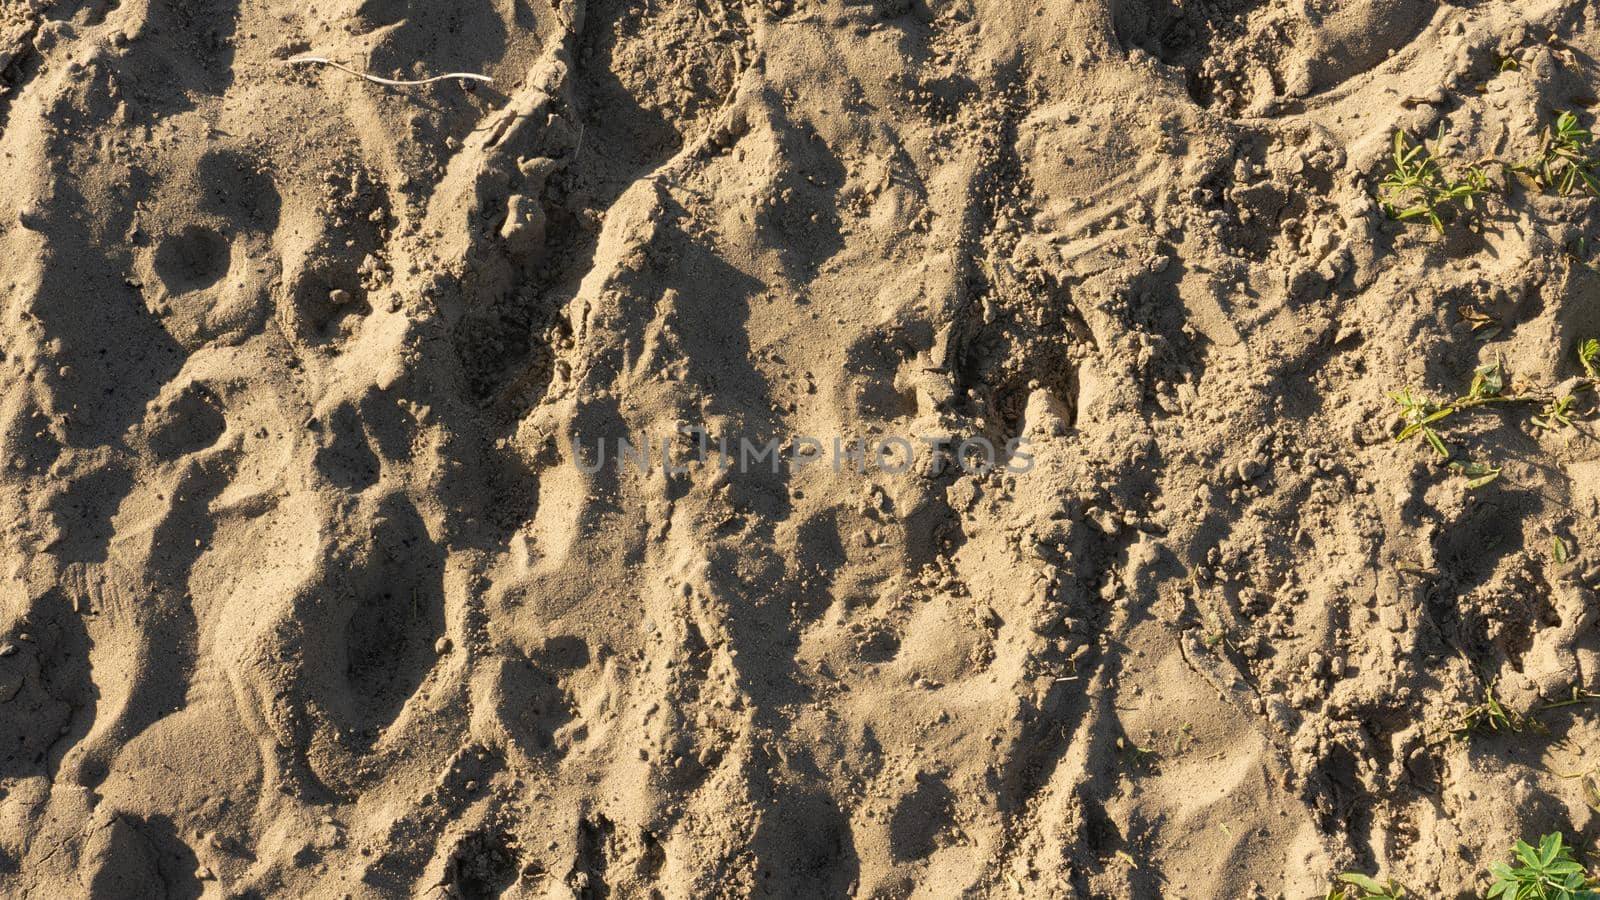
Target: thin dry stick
{"type": "Point", "coordinates": [323, 61]}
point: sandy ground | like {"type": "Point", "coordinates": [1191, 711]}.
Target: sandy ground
{"type": "Point", "coordinates": [304, 593]}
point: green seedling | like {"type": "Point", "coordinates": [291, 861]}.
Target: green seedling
{"type": "Point", "coordinates": [1563, 162]}
{"type": "Point", "coordinates": [1493, 717]}
{"type": "Point", "coordinates": [1477, 474]}
{"type": "Point", "coordinates": [1546, 872]}
{"type": "Point", "coordinates": [1589, 356]}
{"type": "Point", "coordinates": [1558, 550]}
{"type": "Point", "coordinates": [1140, 759]}
{"type": "Point", "coordinates": [1185, 738]}
{"type": "Point", "coordinates": [1361, 887]}
{"type": "Point", "coordinates": [1420, 414]}
{"type": "Point", "coordinates": [1578, 251]}
{"type": "Point", "coordinates": [1418, 188]}
{"type": "Point", "coordinates": [1487, 384]}
{"type": "Point", "coordinates": [1215, 631]}
{"type": "Point", "coordinates": [1557, 414]}
{"type": "Point", "coordinates": [1559, 411]}
{"type": "Point", "coordinates": [1579, 697]}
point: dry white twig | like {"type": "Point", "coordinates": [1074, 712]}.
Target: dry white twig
{"type": "Point", "coordinates": [324, 61]}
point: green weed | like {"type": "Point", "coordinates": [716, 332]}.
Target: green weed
{"type": "Point", "coordinates": [1477, 474]}
{"type": "Point", "coordinates": [1577, 251]}
{"type": "Point", "coordinates": [1547, 872]}
{"type": "Point", "coordinates": [1418, 188]}
{"type": "Point", "coordinates": [1137, 758]}
{"type": "Point", "coordinates": [1579, 696]}
{"type": "Point", "coordinates": [1589, 356]}
{"type": "Point", "coordinates": [1559, 550]}
{"type": "Point", "coordinates": [1563, 161]}
{"type": "Point", "coordinates": [1420, 414]}
{"type": "Point", "coordinates": [1361, 887]}
{"type": "Point", "coordinates": [1556, 414]}
{"type": "Point", "coordinates": [1493, 717]}
{"type": "Point", "coordinates": [1421, 417]}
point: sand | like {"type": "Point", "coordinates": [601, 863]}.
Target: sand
{"type": "Point", "coordinates": [306, 594]}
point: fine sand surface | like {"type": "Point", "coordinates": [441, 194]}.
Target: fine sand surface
{"type": "Point", "coordinates": [304, 594]}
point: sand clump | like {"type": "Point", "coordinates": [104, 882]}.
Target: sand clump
{"type": "Point", "coordinates": [305, 595]}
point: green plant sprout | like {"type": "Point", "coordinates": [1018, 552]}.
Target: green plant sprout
{"type": "Point", "coordinates": [1579, 697]}
{"type": "Point", "coordinates": [1547, 872]}
{"type": "Point", "coordinates": [1361, 887]}
{"type": "Point", "coordinates": [1417, 187]}
{"type": "Point", "coordinates": [1477, 474]}
{"type": "Point", "coordinates": [1420, 414]}
{"type": "Point", "coordinates": [1140, 759]}
{"type": "Point", "coordinates": [1557, 414]}
{"type": "Point", "coordinates": [1493, 717]}
{"type": "Point", "coordinates": [1559, 551]}
{"type": "Point", "coordinates": [1577, 250]}
{"type": "Point", "coordinates": [1563, 161]}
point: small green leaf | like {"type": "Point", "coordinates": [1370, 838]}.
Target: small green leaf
{"type": "Point", "coordinates": [1364, 882]}
{"type": "Point", "coordinates": [1436, 443]}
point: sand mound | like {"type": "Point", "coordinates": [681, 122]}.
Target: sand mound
{"type": "Point", "coordinates": [307, 593]}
